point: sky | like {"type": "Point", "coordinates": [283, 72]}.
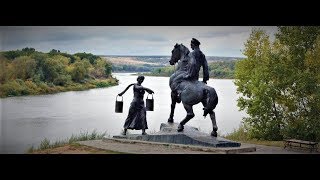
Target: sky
{"type": "Point", "coordinates": [128, 40]}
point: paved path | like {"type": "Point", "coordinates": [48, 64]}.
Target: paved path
{"type": "Point", "coordinates": [261, 149]}
{"type": "Point", "coordinates": [136, 147]}
{"type": "Point", "coordinates": [140, 148]}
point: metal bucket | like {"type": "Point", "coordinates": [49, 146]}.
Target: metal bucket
{"type": "Point", "coordinates": [149, 103]}
{"type": "Point", "coordinates": [119, 105]}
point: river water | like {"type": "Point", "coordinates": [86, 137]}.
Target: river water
{"type": "Point", "coordinates": [26, 121]}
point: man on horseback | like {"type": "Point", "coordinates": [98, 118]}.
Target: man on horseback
{"type": "Point", "coordinates": [192, 91]}
{"type": "Point", "coordinates": [197, 60]}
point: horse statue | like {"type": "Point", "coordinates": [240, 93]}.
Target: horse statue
{"type": "Point", "coordinates": [192, 92]}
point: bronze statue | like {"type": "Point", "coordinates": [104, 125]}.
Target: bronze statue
{"type": "Point", "coordinates": [137, 118]}
{"type": "Point", "coordinates": [191, 71]}
{"type": "Point", "coordinates": [185, 82]}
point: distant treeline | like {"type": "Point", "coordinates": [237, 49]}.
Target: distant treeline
{"type": "Point", "coordinates": [164, 60]}
{"type": "Point", "coordinates": [134, 68]}
{"type": "Point", "coordinates": [219, 69]}
{"type": "Point", "coordinates": [154, 59]}
{"type": "Point", "coordinates": [27, 71]}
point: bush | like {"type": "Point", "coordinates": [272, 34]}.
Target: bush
{"type": "Point", "coordinates": [102, 84]}
{"type": "Point", "coordinates": [14, 88]}
{"type": "Point", "coordinates": [43, 88]}
{"type": "Point", "coordinates": [239, 134]}
{"type": "Point", "coordinates": [62, 80]}
{"type": "Point", "coordinates": [32, 87]}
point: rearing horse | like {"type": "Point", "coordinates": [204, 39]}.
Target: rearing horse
{"type": "Point", "coordinates": [192, 92]}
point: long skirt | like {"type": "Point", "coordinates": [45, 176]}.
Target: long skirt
{"type": "Point", "coordinates": [137, 118]}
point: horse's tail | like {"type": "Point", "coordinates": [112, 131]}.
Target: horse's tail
{"type": "Point", "coordinates": [212, 100]}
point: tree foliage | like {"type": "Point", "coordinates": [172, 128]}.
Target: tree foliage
{"type": "Point", "coordinates": [28, 71]}
{"type": "Point", "coordinates": [222, 69]}
{"type": "Point", "coordinates": [80, 71]}
{"type": "Point", "coordinates": [23, 67]}
{"type": "Point", "coordinates": [92, 58]}
{"type": "Point", "coordinates": [279, 82]}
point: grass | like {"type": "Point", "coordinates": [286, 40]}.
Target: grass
{"type": "Point", "coordinates": [83, 136]}
{"type": "Point", "coordinates": [241, 135]}
{"type": "Point", "coordinates": [75, 148]}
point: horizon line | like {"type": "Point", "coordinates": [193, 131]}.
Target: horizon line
{"type": "Point", "coordinates": [169, 56]}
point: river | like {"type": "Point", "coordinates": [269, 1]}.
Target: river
{"type": "Point", "coordinates": [27, 120]}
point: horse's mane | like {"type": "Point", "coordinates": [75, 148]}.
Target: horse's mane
{"type": "Point", "coordinates": [185, 49]}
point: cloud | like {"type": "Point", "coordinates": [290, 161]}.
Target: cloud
{"type": "Point", "coordinates": [127, 40]}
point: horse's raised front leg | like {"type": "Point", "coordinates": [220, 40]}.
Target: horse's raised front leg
{"type": "Point", "coordinates": [214, 124]}
{"type": "Point", "coordinates": [173, 106]}
{"type": "Point", "coordinates": [189, 116]}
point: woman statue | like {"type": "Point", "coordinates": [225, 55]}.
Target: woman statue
{"type": "Point", "coordinates": [137, 118]}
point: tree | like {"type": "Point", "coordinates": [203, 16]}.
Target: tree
{"type": "Point", "coordinates": [54, 52]}
{"type": "Point", "coordinates": [54, 67]}
{"type": "Point", "coordinates": [24, 67]}
{"type": "Point", "coordinates": [108, 68]}
{"type": "Point", "coordinates": [303, 43]}
{"type": "Point", "coordinates": [280, 84]}
{"type": "Point", "coordinates": [28, 51]}
{"type": "Point", "coordinates": [92, 58]}
{"type": "Point", "coordinates": [40, 60]}
{"type": "Point", "coordinates": [101, 68]}
{"type": "Point", "coordinates": [17, 53]}
{"type": "Point", "coordinates": [79, 71]}
{"type": "Point", "coordinates": [3, 69]}
{"type": "Point", "coordinates": [252, 78]}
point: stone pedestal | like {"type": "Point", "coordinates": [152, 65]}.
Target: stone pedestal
{"type": "Point", "coordinates": [189, 136]}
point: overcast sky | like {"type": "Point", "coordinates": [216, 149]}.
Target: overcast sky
{"type": "Point", "coordinates": [128, 40]}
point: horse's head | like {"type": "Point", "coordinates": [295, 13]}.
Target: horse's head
{"type": "Point", "coordinates": [179, 52]}
{"type": "Point", "coordinates": [176, 54]}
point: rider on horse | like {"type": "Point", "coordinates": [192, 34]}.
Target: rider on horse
{"type": "Point", "coordinates": [192, 91]}
{"type": "Point", "coordinates": [197, 60]}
